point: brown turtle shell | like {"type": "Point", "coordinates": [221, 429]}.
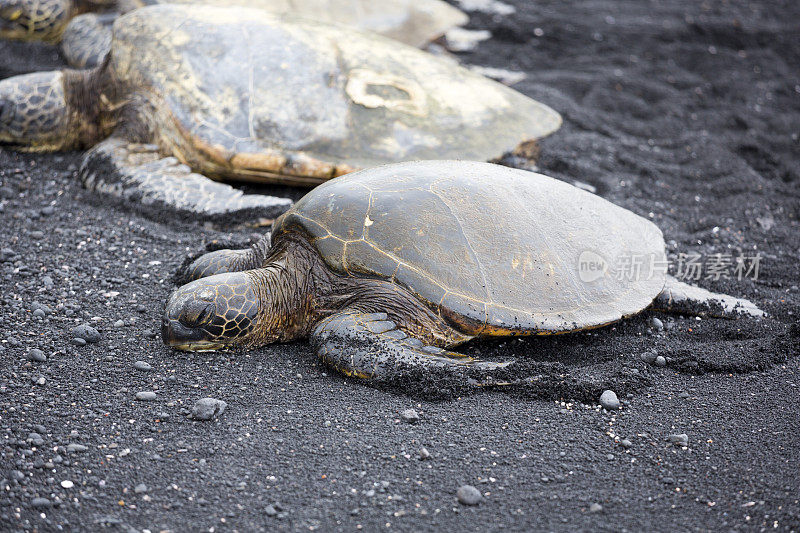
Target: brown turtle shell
{"type": "Point", "coordinates": [494, 250]}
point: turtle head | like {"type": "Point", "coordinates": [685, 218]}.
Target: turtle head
{"type": "Point", "coordinates": [34, 114]}
{"type": "Point", "coordinates": [42, 20]}
{"type": "Point", "coordinates": [213, 312]}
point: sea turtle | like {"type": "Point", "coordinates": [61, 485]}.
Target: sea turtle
{"type": "Point", "coordinates": [246, 95]}
{"type": "Point", "coordinates": [387, 269]}
{"type": "Point", "coordinates": [84, 26]}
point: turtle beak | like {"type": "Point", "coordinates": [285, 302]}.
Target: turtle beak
{"type": "Point", "coordinates": [177, 336]}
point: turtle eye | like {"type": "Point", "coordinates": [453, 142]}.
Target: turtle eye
{"type": "Point", "coordinates": [196, 316]}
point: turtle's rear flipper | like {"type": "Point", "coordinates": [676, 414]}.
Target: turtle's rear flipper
{"type": "Point", "coordinates": [139, 174]}
{"type": "Point", "coordinates": [679, 297]}
{"type": "Point", "coordinates": [370, 346]}
{"type": "Point", "coordinates": [87, 39]}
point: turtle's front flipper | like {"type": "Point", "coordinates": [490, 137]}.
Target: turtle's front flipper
{"type": "Point", "coordinates": [139, 174]}
{"type": "Point", "coordinates": [679, 297]}
{"type": "Point", "coordinates": [222, 261]}
{"type": "Point", "coordinates": [369, 345]}
{"type": "Point", "coordinates": [87, 39]}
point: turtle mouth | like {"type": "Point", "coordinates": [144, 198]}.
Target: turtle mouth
{"type": "Point", "coordinates": [198, 346]}
{"type": "Point", "coordinates": [177, 336]}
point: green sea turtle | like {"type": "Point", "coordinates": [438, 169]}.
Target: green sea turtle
{"type": "Point", "coordinates": [388, 269]}
{"type": "Point", "coordinates": [84, 26]}
{"type": "Point", "coordinates": [194, 91]}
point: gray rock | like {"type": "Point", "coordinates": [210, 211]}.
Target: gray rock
{"type": "Point", "coordinates": [119, 323]}
{"type": "Point", "coordinates": [468, 495]}
{"type": "Point", "coordinates": [595, 508]}
{"type": "Point", "coordinates": [656, 324]}
{"type": "Point", "coordinates": [143, 366]}
{"type": "Point", "coordinates": [208, 408]}
{"type": "Point", "coordinates": [76, 448]}
{"type": "Point", "coordinates": [660, 361]}
{"type": "Point", "coordinates": [649, 357]}
{"type": "Point", "coordinates": [6, 255]}
{"type": "Point", "coordinates": [679, 439]}
{"type": "Point", "coordinates": [38, 306]}
{"type": "Point", "coordinates": [37, 355]}
{"type": "Point", "coordinates": [270, 510]}
{"type": "Point", "coordinates": [39, 313]}
{"type": "Point", "coordinates": [424, 453]}
{"type": "Point", "coordinates": [625, 443]}
{"type": "Point", "coordinates": [146, 395]}
{"type": "Point", "coordinates": [40, 503]}
{"type": "Point", "coordinates": [86, 332]}
{"type": "Point", "coordinates": [141, 488]}
{"type": "Point", "coordinates": [77, 341]}
{"type": "Point", "coordinates": [410, 415]}
{"type": "Point", "coordinates": [609, 400]}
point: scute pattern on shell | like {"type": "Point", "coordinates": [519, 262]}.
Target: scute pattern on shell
{"type": "Point", "coordinates": [492, 248]}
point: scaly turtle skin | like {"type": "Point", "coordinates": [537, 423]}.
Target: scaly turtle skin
{"type": "Point", "coordinates": [245, 95]}
{"type": "Point", "coordinates": [86, 37]}
{"type": "Point", "coordinates": [42, 20]}
{"type": "Point", "coordinates": [387, 269]}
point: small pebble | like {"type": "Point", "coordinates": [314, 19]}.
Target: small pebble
{"type": "Point", "coordinates": [67, 484]}
{"type": "Point", "coordinates": [657, 324]}
{"type": "Point", "coordinates": [424, 453]}
{"type": "Point", "coordinates": [625, 443]}
{"type": "Point", "coordinates": [76, 448]}
{"type": "Point", "coordinates": [39, 313]}
{"type": "Point", "coordinates": [143, 366]}
{"type": "Point", "coordinates": [146, 395]}
{"type": "Point", "coordinates": [86, 332]}
{"type": "Point", "coordinates": [595, 508]}
{"type": "Point", "coordinates": [208, 408]}
{"type": "Point", "coordinates": [660, 361]}
{"type": "Point", "coordinates": [37, 355]}
{"type": "Point", "coordinates": [649, 357]}
{"type": "Point", "coordinates": [140, 488]}
{"type": "Point", "coordinates": [609, 400]}
{"type": "Point", "coordinates": [270, 510]}
{"type": "Point", "coordinates": [77, 341]}
{"type": "Point", "coordinates": [40, 502]}
{"type": "Point", "coordinates": [468, 495]}
{"type": "Point", "coordinates": [679, 439]}
{"type": "Point", "coordinates": [410, 415]}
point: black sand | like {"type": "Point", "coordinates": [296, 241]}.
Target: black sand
{"type": "Point", "coordinates": [683, 109]}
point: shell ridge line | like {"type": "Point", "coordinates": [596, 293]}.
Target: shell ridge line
{"type": "Point", "coordinates": [469, 244]}
{"type": "Point", "coordinates": [365, 226]}
{"type": "Point", "coordinates": [206, 124]}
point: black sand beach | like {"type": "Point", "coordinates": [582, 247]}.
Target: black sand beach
{"type": "Point", "coordinates": [684, 112]}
